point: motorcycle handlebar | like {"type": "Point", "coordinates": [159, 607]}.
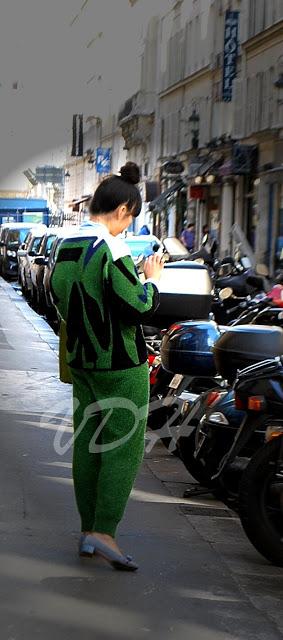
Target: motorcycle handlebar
{"type": "Point", "coordinates": [265, 302]}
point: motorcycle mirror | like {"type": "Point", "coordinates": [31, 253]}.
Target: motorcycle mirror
{"type": "Point", "coordinates": [245, 262]}
{"type": "Point", "coordinates": [226, 293]}
{"type": "Point", "coordinates": [225, 270]}
{"type": "Point", "coordinates": [174, 247]}
{"type": "Point", "coordinates": [205, 239]}
{"type": "Point", "coordinates": [262, 270]}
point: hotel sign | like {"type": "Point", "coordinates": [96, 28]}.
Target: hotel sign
{"type": "Point", "coordinates": [231, 36]}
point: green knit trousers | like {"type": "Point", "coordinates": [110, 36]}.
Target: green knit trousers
{"type": "Point", "coordinates": [110, 415]}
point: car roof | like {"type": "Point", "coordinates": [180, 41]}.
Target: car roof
{"type": "Point", "coordinates": [40, 230]}
{"type": "Point", "coordinates": [146, 238]}
{"type": "Point", "coordinates": [64, 232]}
{"type": "Point", "coordinates": [20, 225]}
{"type": "Point", "coordinates": [52, 231]}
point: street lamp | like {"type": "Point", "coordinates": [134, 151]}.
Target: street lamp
{"type": "Point", "coordinates": [90, 158]}
{"type": "Point", "coordinates": [194, 126]}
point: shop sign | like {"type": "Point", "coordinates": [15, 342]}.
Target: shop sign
{"type": "Point", "coordinates": [197, 193]}
{"type": "Point", "coordinates": [231, 34]}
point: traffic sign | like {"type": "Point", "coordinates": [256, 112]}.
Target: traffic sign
{"type": "Point", "coordinates": [45, 174]}
{"type": "Point", "coordinates": [103, 160]}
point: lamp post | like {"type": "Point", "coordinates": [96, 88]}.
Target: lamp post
{"type": "Point", "coordinates": [279, 82]}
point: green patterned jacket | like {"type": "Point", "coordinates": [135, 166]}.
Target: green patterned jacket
{"type": "Point", "coordinates": [97, 292]}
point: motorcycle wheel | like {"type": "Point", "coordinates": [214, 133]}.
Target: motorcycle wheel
{"type": "Point", "coordinates": [259, 506]}
{"type": "Point", "coordinates": [157, 421]}
{"type": "Point", "coordinates": [186, 447]}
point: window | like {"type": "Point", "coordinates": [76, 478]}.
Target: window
{"type": "Point", "coordinates": [17, 236]}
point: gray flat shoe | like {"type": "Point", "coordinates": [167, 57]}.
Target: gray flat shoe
{"type": "Point", "coordinates": [89, 545]}
{"type": "Point", "coordinates": [86, 549]}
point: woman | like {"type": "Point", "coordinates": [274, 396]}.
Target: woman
{"type": "Point", "coordinates": [100, 297]}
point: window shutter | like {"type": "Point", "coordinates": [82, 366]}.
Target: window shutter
{"type": "Point", "coordinates": [258, 101]}
{"type": "Point", "coordinates": [259, 15]}
{"type": "Point", "coordinates": [238, 102]}
{"type": "Point", "coordinates": [265, 101]}
{"type": "Point", "coordinates": [253, 103]}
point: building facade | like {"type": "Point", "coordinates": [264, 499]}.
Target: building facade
{"type": "Point", "coordinates": [230, 146]}
{"type": "Point", "coordinates": [81, 175]}
{"type": "Point", "coordinates": [211, 98]}
{"type": "Point", "coordinates": [187, 117]}
{"type": "Point", "coordinates": [259, 121]}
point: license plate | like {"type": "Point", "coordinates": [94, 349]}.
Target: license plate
{"type": "Point", "coordinates": [176, 381]}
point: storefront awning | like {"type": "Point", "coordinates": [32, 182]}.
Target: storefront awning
{"type": "Point", "coordinates": [209, 165]}
{"type": "Point", "coordinates": [226, 168]}
{"type": "Point", "coordinates": [78, 201]}
{"type": "Point", "coordinates": [274, 175]}
{"type": "Point", "coordinates": [159, 203]}
{"type": "Point", "coordinates": [274, 169]}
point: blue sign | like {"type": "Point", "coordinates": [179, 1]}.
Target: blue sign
{"type": "Point", "coordinates": [103, 160]}
{"type": "Point", "coordinates": [231, 35]}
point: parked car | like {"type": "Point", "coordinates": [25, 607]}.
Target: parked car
{"type": "Point", "coordinates": [61, 233]}
{"type": "Point", "coordinates": [38, 267]}
{"type": "Point", "coordinates": [142, 246]}
{"type": "Point", "coordinates": [12, 235]}
{"type": "Point", "coordinates": [26, 255]}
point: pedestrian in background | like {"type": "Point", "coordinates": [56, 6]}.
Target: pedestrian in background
{"type": "Point", "coordinates": [209, 241]}
{"type": "Point", "coordinates": [188, 237]}
{"type": "Point", "coordinates": [101, 299]}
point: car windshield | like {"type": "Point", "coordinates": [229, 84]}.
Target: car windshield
{"type": "Point", "coordinates": [139, 247]}
{"type": "Point", "coordinates": [17, 236]}
{"type": "Point", "coordinates": [49, 244]}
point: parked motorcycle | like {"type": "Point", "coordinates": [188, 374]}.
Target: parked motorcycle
{"type": "Point", "coordinates": [259, 392]}
{"type": "Point", "coordinates": [183, 407]}
{"type": "Point", "coordinates": [261, 500]}
{"type": "Point", "coordinates": [221, 419]}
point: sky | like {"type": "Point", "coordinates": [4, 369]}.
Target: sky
{"type": "Point", "coordinates": [66, 56]}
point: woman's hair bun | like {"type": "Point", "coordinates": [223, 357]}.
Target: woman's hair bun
{"type": "Point", "coordinates": [130, 172]}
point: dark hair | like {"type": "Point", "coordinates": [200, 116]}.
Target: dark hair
{"type": "Point", "coordinates": [117, 190]}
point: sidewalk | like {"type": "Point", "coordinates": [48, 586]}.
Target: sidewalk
{"type": "Point", "coordinates": [199, 578]}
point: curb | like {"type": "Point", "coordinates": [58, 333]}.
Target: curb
{"type": "Point", "coordinates": [39, 324]}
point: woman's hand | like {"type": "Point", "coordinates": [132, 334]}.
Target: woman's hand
{"type": "Point", "coordinates": [153, 266]}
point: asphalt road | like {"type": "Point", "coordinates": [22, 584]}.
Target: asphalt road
{"type": "Point", "coordinates": [199, 578]}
